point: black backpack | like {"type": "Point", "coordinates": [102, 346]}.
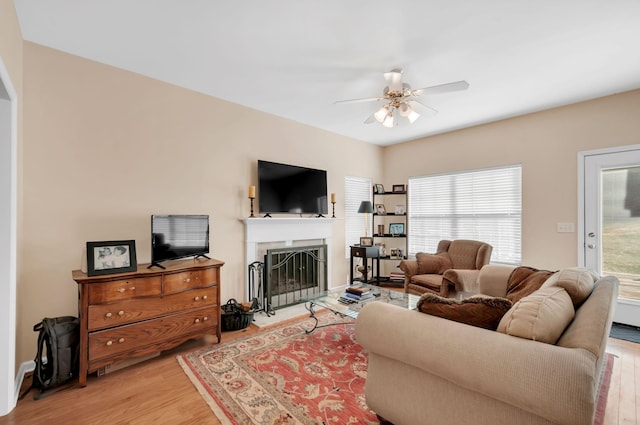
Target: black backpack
{"type": "Point", "coordinates": [58, 339]}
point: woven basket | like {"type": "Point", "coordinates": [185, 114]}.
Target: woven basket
{"type": "Point", "coordinates": [233, 318]}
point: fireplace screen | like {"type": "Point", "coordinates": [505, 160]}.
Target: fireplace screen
{"type": "Point", "coordinates": [294, 273]}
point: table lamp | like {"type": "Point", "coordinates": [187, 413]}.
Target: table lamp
{"type": "Point", "coordinates": [365, 208]}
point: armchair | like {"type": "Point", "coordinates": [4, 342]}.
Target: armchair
{"type": "Point", "coordinates": [455, 264]}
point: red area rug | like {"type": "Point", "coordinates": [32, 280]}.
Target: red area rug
{"type": "Point", "coordinates": [284, 376]}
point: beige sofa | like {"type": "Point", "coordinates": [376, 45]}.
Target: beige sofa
{"type": "Point", "coordinates": [429, 370]}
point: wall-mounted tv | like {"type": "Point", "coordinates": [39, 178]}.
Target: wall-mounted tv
{"type": "Point", "coordinates": [178, 236]}
{"type": "Point", "coordinates": [290, 189]}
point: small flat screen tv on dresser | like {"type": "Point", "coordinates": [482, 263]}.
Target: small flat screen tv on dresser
{"type": "Point", "coordinates": [290, 189]}
{"type": "Point", "coordinates": [178, 236]}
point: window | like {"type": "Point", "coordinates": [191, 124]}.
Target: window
{"type": "Point", "coordinates": [484, 205]}
{"type": "Point", "coordinates": [356, 190]}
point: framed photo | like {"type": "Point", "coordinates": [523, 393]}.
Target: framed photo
{"type": "Point", "coordinates": [111, 257]}
{"type": "Point", "coordinates": [398, 188]}
{"type": "Point", "coordinates": [396, 228]}
{"type": "Point", "coordinates": [378, 188]}
{"type": "Point", "coordinates": [365, 241]}
{"type": "Point", "coordinates": [380, 209]}
{"type": "Point", "coordinates": [399, 210]}
{"type": "Point", "coordinates": [393, 254]}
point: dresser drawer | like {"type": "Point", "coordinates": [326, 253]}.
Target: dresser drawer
{"type": "Point", "coordinates": [177, 282]}
{"type": "Point", "coordinates": [124, 289]}
{"type": "Point", "coordinates": [133, 310]}
{"type": "Point", "coordinates": [125, 338]}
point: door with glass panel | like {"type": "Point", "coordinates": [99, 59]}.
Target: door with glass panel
{"type": "Point", "coordinates": [611, 232]}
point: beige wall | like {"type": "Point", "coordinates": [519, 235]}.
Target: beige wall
{"type": "Point", "coordinates": [547, 146]}
{"type": "Point", "coordinates": [105, 148]}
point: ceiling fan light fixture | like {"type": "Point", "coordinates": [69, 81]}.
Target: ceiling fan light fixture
{"type": "Point", "coordinates": [413, 116]}
{"type": "Point", "coordinates": [381, 113]}
{"type": "Point", "coordinates": [388, 121]}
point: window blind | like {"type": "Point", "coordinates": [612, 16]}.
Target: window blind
{"type": "Point", "coordinates": [356, 190]}
{"type": "Point", "coordinates": [484, 205]}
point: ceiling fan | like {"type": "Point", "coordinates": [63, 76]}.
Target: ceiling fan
{"type": "Point", "coordinates": [400, 99]}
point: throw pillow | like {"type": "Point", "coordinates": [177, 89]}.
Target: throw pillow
{"type": "Point", "coordinates": [578, 282]}
{"type": "Point", "coordinates": [479, 310]}
{"type": "Point", "coordinates": [525, 281]}
{"type": "Point", "coordinates": [433, 263]}
{"type": "Point", "coordinates": [542, 316]}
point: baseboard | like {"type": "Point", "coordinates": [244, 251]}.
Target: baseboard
{"type": "Point", "coordinates": [25, 367]}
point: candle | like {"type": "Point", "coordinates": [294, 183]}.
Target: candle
{"type": "Point", "coordinates": [252, 192]}
{"type": "Point", "coordinates": [333, 198]}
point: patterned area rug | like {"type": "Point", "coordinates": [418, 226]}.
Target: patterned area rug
{"type": "Point", "coordinates": [284, 376]}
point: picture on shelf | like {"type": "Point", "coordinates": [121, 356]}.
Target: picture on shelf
{"type": "Point", "coordinates": [378, 188]}
{"type": "Point", "coordinates": [366, 241]}
{"type": "Point", "coordinates": [396, 228]}
{"type": "Point", "coordinates": [380, 209]}
{"type": "Point", "coordinates": [393, 253]}
{"type": "Point", "coordinates": [399, 210]}
{"type": "Point", "coordinates": [398, 188]}
{"type": "Point", "coordinates": [111, 257]}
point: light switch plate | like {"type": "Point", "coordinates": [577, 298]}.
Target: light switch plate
{"type": "Point", "coordinates": [566, 227]}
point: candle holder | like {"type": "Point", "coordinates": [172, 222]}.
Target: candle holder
{"type": "Point", "coordinates": [333, 206]}
{"type": "Point", "coordinates": [251, 208]}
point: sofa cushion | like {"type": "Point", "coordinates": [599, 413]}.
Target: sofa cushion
{"type": "Point", "coordinates": [525, 281]}
{"type": "Point", "coordinates": [433, 263]}
{"type": "Point", "coordinates": [480, 310]}
{"type": "Point", "coordinates": [578, 282]}
{"type": "Point", "coordinates": [542, 316]}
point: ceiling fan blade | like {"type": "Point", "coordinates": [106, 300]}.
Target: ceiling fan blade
{"type": "Point", "coordinates": [442, 88]}
{"type": "Point", "coordinates": [394, 79]}
{"type": "Point", "coordinates": [424, 109]}
{"type": "Point", "coordinates": [369, 99]}
{"type": "Point", "coordinates": [371, 119]}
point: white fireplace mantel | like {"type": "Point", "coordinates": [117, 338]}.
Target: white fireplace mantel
{"type": "Point", "coordinates": [287, 230]}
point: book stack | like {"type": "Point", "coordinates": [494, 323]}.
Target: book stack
{"type": "Point", "coordinates": [356, 293]}
{"type": "Point", "coordinates": [396, 277]}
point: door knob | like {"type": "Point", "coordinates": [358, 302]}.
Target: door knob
{"type": "Point", "coordinates": [591, 246]}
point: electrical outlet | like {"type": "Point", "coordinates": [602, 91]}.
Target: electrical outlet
{"type": "Point", "coordinates": [566, 227]}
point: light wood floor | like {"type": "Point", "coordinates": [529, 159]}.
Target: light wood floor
{"type": "Point", "coordinates": [158, 392]}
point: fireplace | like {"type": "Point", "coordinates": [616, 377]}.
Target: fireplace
{"type": "Point", "coordinates": [292, 274]}
{"type": "Point", "coordinates": [287, 234]}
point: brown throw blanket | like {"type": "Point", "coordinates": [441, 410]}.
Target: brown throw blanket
{"type": "Point", "coordinates": [524, 281]}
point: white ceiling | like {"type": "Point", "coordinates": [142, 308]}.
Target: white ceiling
{"type": "Point", "coordinates": [294, 58]}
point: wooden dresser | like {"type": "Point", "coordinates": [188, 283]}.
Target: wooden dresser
{"type": "Point", "coordinates": [140, 313]}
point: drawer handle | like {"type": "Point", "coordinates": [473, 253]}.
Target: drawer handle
{"type": "Point", "coordinates": [109, 343]}
{"type": "Point", "coordinates": [196, 298]}
{"type": "Point", "coordinates": [204, 297]}
{"type": "Point", "coordinates": [121, 340]}
{"type": "Point", "coordinates": [121, 313]}
{"type": "Point", "coordinates": [121, 290]}
{"type": "Point", "coordinates": [205, 318]}
{"type": "Point", "coordinates": [187, 280]}
{"type": "Point", "coordinates": [108, 315]}
{"type": "Point", "coordinates": [197, 321]}
{"type": "Point", "coordinates": [133, 288]}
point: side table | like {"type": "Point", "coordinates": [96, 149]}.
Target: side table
{"type": "Point", "coordinates": [366, 253]}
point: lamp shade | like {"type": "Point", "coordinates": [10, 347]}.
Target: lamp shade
{"type": "Point", "coordinates": [365, 207]}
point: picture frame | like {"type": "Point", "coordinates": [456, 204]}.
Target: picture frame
{"type": "Point", "coordinates": [366, 241]}
{"type": "Point", "coordinates": [393, 253]}
{"type": "Point", "coordinates": [396, 229]}
{"type": "Point", "coordinates": [111, 257]}
{"type": "Point", "coordinates": [398, 188]}
{"type": "Point", "coordinates": [380, 209]}
{"type": "Point", "coordinates": [378, 188]}
{"type": "Point", "coordinates": [399, 210]}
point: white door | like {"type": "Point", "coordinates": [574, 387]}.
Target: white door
{"type": "Point", "coordinates": [610, 234]}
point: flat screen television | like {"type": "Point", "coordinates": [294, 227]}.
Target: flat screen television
{"type": "Point", "coordinates": [290, 189]}
{"type": "Point", "coordinates": [178, 236]}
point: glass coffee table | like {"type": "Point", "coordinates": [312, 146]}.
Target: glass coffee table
{"type": "Point", "coordinates": [331, 301]}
